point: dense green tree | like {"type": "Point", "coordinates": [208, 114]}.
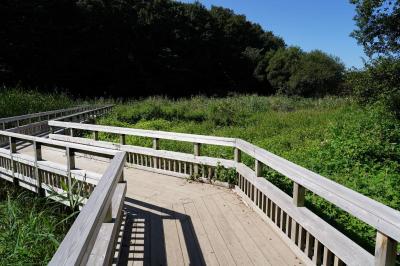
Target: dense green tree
{"type": "Point", "coordinates": [317, 74]}
{"type": "Point", "coordinates": [137, 48]}
{"type": "Point", "coordinates": [378, 81]}
{"type": "Point", "coordinates": [378, 23]}
{"type": "Point", "coordinates": [281, 66]}
{"type": "Point", "coordinates": [294, 72]}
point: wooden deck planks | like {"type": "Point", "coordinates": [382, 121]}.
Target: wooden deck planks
{"type": "Point", "coordinates": [176, 222]}
{"type": "Point", "coordinates": [273, 248]}
{"type": "Point", "coordinates": [227, 231]}
{"type": "Point", "coordinates": [252, 247]}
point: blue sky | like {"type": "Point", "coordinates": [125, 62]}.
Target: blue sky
{"type": "Point", "coordinates": [310, 24]}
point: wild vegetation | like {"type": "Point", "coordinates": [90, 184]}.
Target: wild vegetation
{"type": "Point", "coordinates": [357, 146]}
{"type": "Point", "coordinates": [17, 101]}
{"type": "Point", "coordinates": [31, 228]}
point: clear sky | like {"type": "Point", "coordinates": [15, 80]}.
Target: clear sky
{"type": "Point", "coordinates": [310, 24]}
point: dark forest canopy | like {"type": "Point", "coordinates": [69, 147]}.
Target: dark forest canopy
{"type": "Point", "coordinates": [137, 48]}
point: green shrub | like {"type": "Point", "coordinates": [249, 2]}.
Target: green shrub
{"type": "Point", "coordinates": [379, 81]}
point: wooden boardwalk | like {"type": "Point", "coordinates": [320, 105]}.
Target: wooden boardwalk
{"type": "Point", "coordinates": [173, 221]}
{"type": "Point", "coordinates": [141, 209]}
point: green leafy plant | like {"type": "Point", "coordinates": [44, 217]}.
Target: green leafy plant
{"type": "Point", "coordinates": [73, 194]}
{"type": "Point", "coordinates": [228, 175]}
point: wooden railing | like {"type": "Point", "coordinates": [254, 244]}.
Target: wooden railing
{"type": "Point", "coordinates": [314, 240]}
{"type": "Point", "coordinates": [18, 121]}
{"type": "Point", "coordinates": [92, 237]}
{"type": "Point", "coordinates": [80, 114]}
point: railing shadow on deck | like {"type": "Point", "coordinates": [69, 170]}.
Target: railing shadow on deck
{"type": "Point", "coordinates": [143, 236]}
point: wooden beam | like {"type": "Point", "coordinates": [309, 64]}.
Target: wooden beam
{"type": "Point", "coordinates": [122, 139]}
{"type": "Point", "coordinates": [299, 193]}
{"type": "Point", "coordinates": [258, 168]}
{"type": "Point", "coordinates": [156, 146]}
{"type": "Point", "coordinates": [237, 155]}
{"type": "Point", "coordinates": [196, 147]}
{"type": "Point", "coordinates": [37, 151]}
{"type": "Point", "coordinates": [13, 149]}
{"type": "Point", "coordinates": [70, 153]}
{"type": "Point", "coordinates": [385, 250]}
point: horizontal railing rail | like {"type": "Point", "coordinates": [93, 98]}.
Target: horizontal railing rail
{"type": "Point", "coordinates": [16, 121]}
{"type": "Point", "coordinates": [42, 127]}
{"type": "Point", "coordinates": [304, 229]}
{"type": "Point", "coordinates": [80, 241]}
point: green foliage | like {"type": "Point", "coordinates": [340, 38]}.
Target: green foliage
{"type": "Point", "coordinates": [18, 102]}
{"type": "Point", "coordinates": [73, 194]}
{"type": "Point", "coordinates": [379, 81]}
{"type": "Point", "coordinates": [317, 74]}
{"type": "Point", "coordinates": [352, 144]}
{"type": "Point", "coordinates": [31, 228]}
{"type": "Point", "coordinates": [294, 72]}
{"type": "Point", "coordinates": [228, 175]}
{"type": "Point", "coordinates": [378, 26]}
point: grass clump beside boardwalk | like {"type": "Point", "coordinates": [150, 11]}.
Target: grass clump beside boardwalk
{"type": "Point", "coordinates": [357, 146]}
{"type": "Point", "coordinates": [19, 102]}
{"type": "Point", "coordinates": [31, 228]}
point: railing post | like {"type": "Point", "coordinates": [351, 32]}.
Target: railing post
{"type": "Point", "coordinates": [3, 126]}
{"type": "Point", "coordinates": [196, 153]}
{"type": "Point", "coordinates": [299, 193]}
{"type": "Point", "coordinates": [13, 149]}
{"type": "Point", "coordinates": [156, 146]}
{"type": "Point", "coordinates": [108, 218]}
{"type": "Point", "coordinates": [37, 149]}
{"type": "Point", "coordinates": [96, 135]}
{"type": "Point", "coordinates": [237, 155]}
{"type": "Point", "coordinates": [258, 168]}
{"type": "Point", "coordinates": [385, 250]}
{"type": "Point", "coordinates": [71, 132]}
{"type": "Point", "coordinates": [70, 164]}
{"type": "Point", "coordinates": [122, 139]}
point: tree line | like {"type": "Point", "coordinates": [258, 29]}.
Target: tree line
{"type": "Point", "coordinates": [139, 48]}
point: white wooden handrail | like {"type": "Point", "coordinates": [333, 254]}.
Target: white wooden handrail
{"type": "Point", "coordinates": [229, 142]}
{"type": "Point", "coordinates": [41, 114]}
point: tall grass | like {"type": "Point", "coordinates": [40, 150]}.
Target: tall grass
{"type": "Point", "coordinates": [335, 137]}
{"type": "Point", "coordinates": [31, 228]}
{"type": "Point", "coordinates": [16, 101]}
